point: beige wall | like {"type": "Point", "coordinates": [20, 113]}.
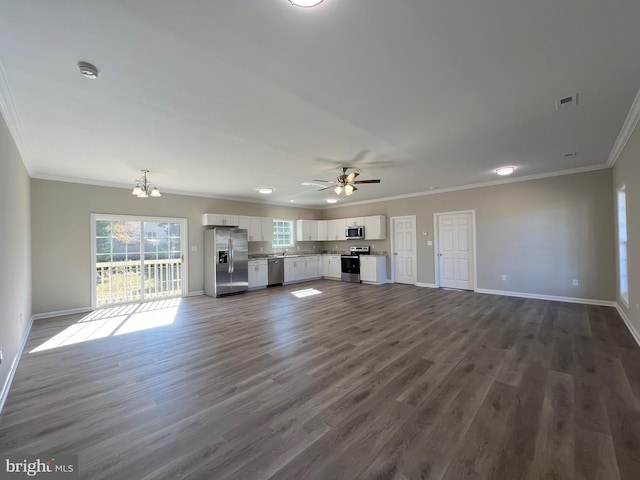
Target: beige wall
{"type": "Point", "coordinates": [540, 233]}
{"type": "Point", "coordinates": [15, 245]}
{"type": "Point", "coordinates": [627, 171]}
{"type": "Point", "coordinates": [62, 241]}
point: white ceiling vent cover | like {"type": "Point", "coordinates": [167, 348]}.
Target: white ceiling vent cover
{"type": "Point", "coordinates": [567, 102]}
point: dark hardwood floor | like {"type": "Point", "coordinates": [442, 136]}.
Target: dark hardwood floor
{"type": "Point", "coordinates": [355, 382]}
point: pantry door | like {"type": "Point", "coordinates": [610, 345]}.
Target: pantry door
{"type": "Point", "coordinates": [455, 252]}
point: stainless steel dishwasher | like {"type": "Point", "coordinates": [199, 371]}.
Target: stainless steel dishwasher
{"type": "Point", "coordinates": [275, 270]}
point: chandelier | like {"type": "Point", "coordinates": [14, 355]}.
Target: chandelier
{"type": "Point", "coordinates": [144, 189]}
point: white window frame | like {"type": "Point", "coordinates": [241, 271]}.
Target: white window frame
{"type": "Point", "coordinates": [138, 218]}
{"type": "Point", "coordinates": [276, 222]}
{"type": "Point", "coordinates": [622, 239]}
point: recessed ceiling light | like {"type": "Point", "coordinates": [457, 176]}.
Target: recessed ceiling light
{"type": "Point", "coordinates": [265, 190]}
{"type": "Point", "coordinates": [505, 170]}
{"type": "Point", "coordinates": [292, 201]}
{"type": "Point", "coordinates": [331, 200]}
{"type": "Point", "coordinates": [305, 3]}
{"type": "Point", "coordinates": [88, 70]}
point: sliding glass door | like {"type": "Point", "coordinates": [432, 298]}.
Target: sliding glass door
{"type": "Point", "coordinates": [137, 259]}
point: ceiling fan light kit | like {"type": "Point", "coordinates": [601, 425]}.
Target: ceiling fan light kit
{"type": "Point", "coordinates": [344, 183]}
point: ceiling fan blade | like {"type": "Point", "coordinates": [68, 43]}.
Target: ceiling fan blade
{"type": "Point", "coordinates": [367, 181]}
{"type": "Point", "coordinates": [323, 181]}
{"type": "Point", "coordinates": [359, 156]}
{"type": "Point", "coordinates": [330, 186]}
{"type": "Point", "coordinates": [351, 176]}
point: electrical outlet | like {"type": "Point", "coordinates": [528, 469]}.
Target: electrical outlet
{"type": "Point", "coordinates": [261, 249]}
{"type": "Point", "coordinates": [575, 282]}
{"type": "Point", "coordinates": [194, 248]}
{"type": "Point", "coordinates": [429, 243]}
{"type": "Point", "coordinates": [504, 278]}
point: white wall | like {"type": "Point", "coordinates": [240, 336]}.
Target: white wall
{"type": "Point", "coordinates": [15, 245]}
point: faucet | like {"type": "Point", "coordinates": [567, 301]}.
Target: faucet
{"type": "Point", "coordinates": [285, 251]}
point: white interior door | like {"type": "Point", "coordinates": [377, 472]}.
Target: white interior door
{"type": "Point", "coordinates": [404, 249]}
{"type": "Point", "coordinates": [456, 245]}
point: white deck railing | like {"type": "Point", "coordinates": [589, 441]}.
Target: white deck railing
{"type": "Point", "coordinates": [120, 282]}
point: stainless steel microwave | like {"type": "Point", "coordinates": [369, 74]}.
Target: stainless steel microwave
{"type": "Point", "coordinates": [354, 233]}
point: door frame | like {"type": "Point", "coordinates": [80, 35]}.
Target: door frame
{"type": "Point", "coordinates": [436, 240]}
{"type": "Point", "coordinates": [393, 236]}
{"type": "Point", "coordinates": [139, 218]}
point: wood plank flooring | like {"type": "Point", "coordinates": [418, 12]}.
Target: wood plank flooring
{"type": "Point", "coordinates": [355, 382]}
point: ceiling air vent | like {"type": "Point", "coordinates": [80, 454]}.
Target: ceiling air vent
{"type": "Point", "coordinates": [567, 102]}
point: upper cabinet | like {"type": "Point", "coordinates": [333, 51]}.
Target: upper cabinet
{"type": "Point", "coordinates": [355, 222]}
{"type": "Point", "coordinates": [322, 229]}
{"type": "Point", "coordinates": [336, 229]}
{"type": "Point", "coordinates": [306, 230]}
{"type": "Point", "coordinates": [375, 227]}
{"type": "Point", "coordinates": [259, 229]}
{"type": "Point", "coordinates": [219, 220]}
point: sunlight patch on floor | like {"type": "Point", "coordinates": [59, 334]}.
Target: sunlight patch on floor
{"type": "Point", "coordinates": [118, 320]}
{"type": "Point", "coordinates": [307, 292]}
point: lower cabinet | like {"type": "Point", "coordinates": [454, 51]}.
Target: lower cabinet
{"type": "Point", "coordinates": [332, 266]}
{"type": "Point", "coordinates": [258, 273]}
{"type": "Point", "coordinates": [298, 269]}
{"type": "Point", "coordinates": [373, 269]}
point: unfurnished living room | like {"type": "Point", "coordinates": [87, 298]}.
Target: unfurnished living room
{"type": "Point", "coordinates": [320, 239]}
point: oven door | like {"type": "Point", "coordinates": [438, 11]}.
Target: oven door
{"type": "Point", "coordinates": [350, 271]}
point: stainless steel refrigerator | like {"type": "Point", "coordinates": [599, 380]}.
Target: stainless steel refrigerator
{"type": "Point", "coordinates": [226, 261]}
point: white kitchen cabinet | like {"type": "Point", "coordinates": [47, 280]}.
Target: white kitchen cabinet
{"type": "Point", "coordinates": [306, 230]}
{"type": "Point", "coordinates": [354, 222]}
{"type": "Point", "coordinates": [298, 269]}
{"type": "Point", "coordinates": [312, 267]}
{"type": "Point", "coordinates": [322, 230]}
{"type": "Point", "coordinates": [332, 266]}
{"type": "Point", "coordinates": [259, 229]}
{"type": "Point", "coordinates": [373, 269]}
{"type": "Point", "coordinates": [294, 269]}
{"type": "Point", "coordinates": [245, 222]}
{"type": "Point", "coordinates": [375, 227]}
{"type": "Point", "coordinates": [219, 220]}
{"type": "Point", "coordinates": [267, 229]}
{"type": "Point", "coordinates": [258, 273]}
{"type": "Point", "coordinates": [336, 228]}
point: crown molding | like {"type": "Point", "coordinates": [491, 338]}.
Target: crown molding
{"type": "Point", "coordinates": [100, 183]}
{"type": "Point", "coordinates": [628, 127]}
{"type": "Point", "coordinates": [527, 178]}
{"type": "Point", "coordinates": [10, 115]}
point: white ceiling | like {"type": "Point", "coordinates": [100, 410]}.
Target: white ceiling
{"type": "Point", "coordinates": [220, 97]}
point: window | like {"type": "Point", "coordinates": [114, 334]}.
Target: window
{"type": "Point", "coordinates": [622, 244]}
{"type": "Point", "coordinates": [282, 233]}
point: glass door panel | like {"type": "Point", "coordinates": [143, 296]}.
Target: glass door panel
{"type": "Point", "coordinates": [137, 260]}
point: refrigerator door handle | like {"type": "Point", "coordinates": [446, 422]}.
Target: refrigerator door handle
{"type": "Point", "coordinates": [230, 255]}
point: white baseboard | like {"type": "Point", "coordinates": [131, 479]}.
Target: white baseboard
{"type": "Point", "coordinates": [428, 285]}
{"type": "Point", "coordinates": [585, 301]}
{"type": "Point", "coordinates": [196, 293]}
{"type": "Point", "coordinates": [4, 393]}
{"type": "Point", "coordinates": [61, 313]}
{"type": "Point", "coordinates": [632, 329]}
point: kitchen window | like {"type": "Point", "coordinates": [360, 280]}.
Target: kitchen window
{"type": "Point", "coordinates": [282, 233]}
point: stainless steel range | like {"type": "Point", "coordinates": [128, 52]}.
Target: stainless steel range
{"type": "Point", "coordinates": [351, 263]}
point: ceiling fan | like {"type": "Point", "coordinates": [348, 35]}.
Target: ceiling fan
{"type": "Point", "coordinates": [345, 182]}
